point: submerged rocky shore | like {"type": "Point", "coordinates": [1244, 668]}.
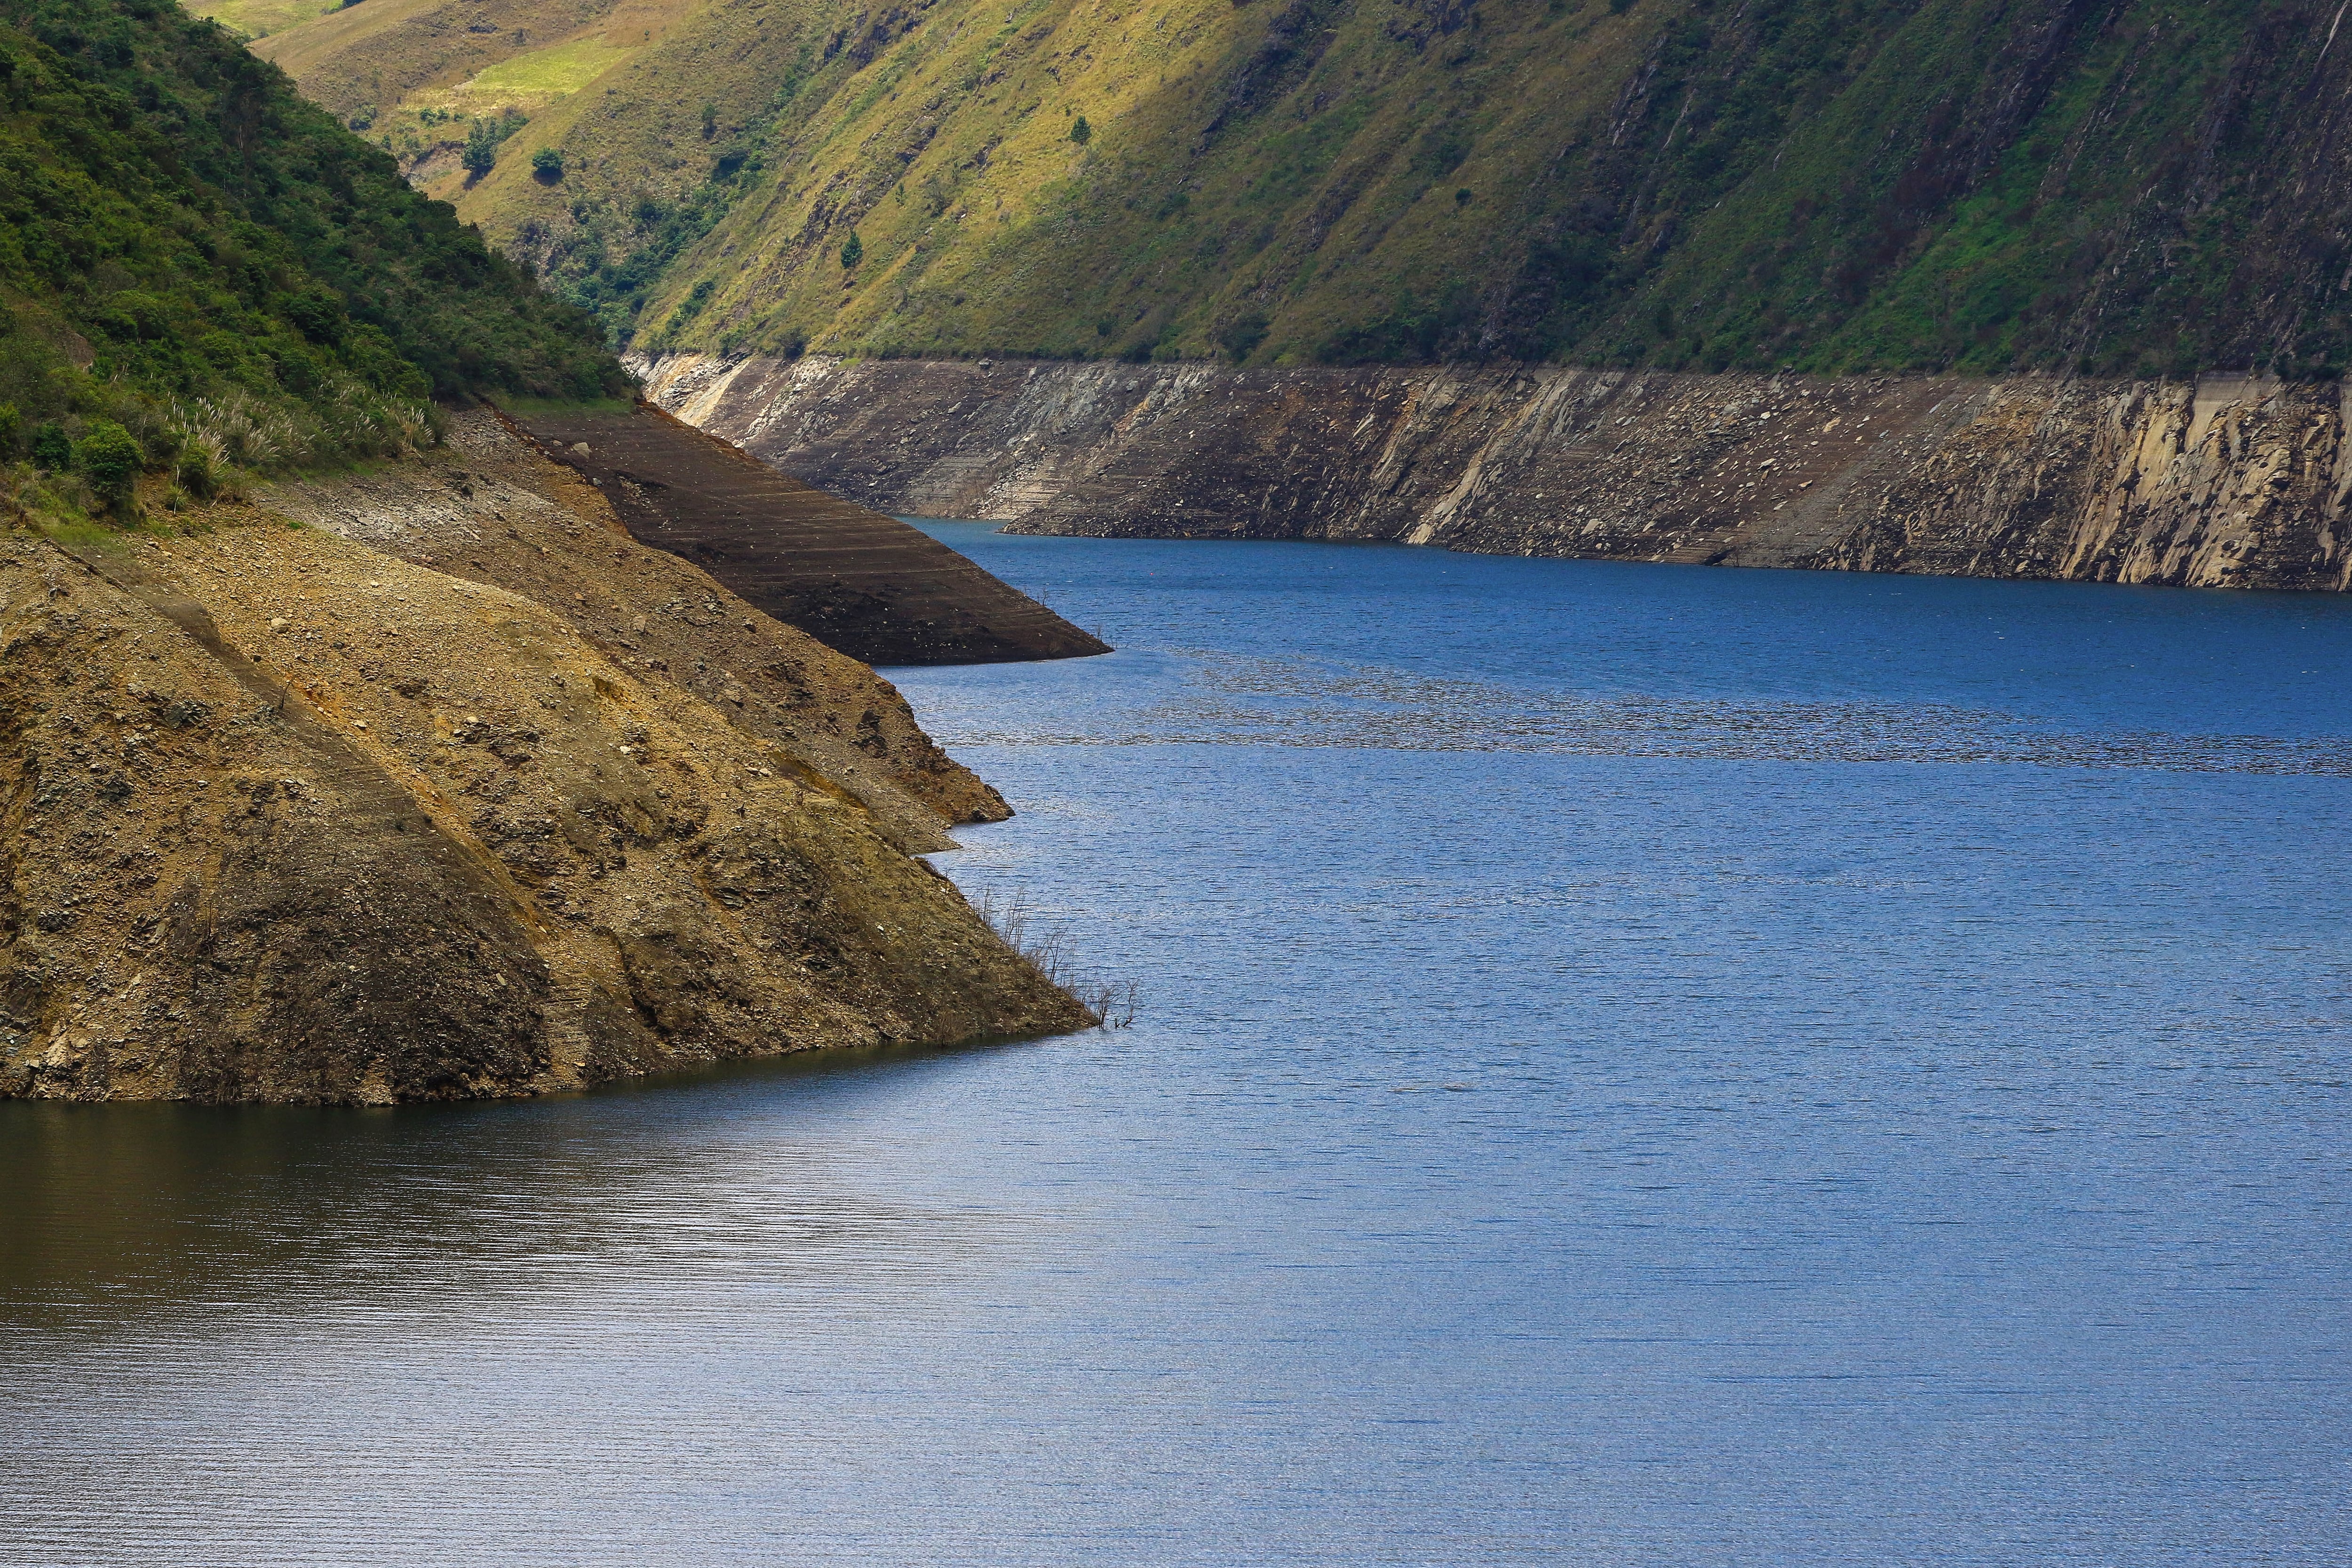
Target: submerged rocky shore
{"type": "Point", "coordinates": [431, 783]}
{"type": "Point", "coordinates": [2222, 482]}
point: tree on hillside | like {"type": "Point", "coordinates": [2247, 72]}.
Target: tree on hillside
{"type": "Point", "coordinates": [52, 448]}
{"type": "Point", "coordinates": [852, 253]}
{"type": "Point", "coordinates": [111, 459]}
{"type": "Point", "coordinates": [481, 150]}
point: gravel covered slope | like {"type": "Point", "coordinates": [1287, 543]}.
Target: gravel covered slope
{"type": "Point", "coordinates": [488, 509]}
{"type": "Point", "coordinates": [290, 817]}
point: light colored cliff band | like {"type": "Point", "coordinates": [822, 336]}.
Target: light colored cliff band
{"type": "Point", "coordinates": [2227, 481]}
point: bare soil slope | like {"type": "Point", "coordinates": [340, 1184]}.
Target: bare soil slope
{"type": "Point", "coordinates": [489, 509]}
{"type": "Point", "coordinates": [859, 581]}
{"type": "Point", "coordinates": [290, 816]}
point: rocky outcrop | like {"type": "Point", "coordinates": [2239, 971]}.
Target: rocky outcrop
{"type": "Point", "coordinates": [2222, 481]}
{"type": "Point", "coordinates": [432, 784]}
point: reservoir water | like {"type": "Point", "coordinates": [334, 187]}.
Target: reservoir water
{"type": "Point", "coordinates": [1634, 1066]}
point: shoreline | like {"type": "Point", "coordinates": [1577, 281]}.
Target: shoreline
{"type": "Point", "coordinates": [2222, 481]}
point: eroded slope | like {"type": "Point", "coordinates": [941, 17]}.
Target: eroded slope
{"type": "Point", "coordinates": [2221, 481]}
{"type": "Point", "coordinates": [855, 578]}
{"type": "Point", "coordinates": [292, 818]}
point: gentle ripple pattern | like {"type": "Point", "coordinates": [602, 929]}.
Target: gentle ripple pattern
{"type": "Point", "coordinates": [1638, 1066]}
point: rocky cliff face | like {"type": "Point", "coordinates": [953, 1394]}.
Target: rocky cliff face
{"type": "Point", "coordinates": [455, 791]}
{"type": "Point", "coordinates": [2219, 482]}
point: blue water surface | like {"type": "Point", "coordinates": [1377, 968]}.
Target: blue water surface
{"type": "Point", "coordinates": [1634, 1066]}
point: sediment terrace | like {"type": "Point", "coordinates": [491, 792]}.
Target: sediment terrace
{"type": "Point", "coordinates": [2221, 481]}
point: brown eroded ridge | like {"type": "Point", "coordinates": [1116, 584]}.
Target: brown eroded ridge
{"type": "Point", "coordinates": [423, 781]}
{"type": "Point", "coordinates": [861, 582]}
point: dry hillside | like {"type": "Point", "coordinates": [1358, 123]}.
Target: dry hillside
{"type": "Point", "coordinates": [430, 783]}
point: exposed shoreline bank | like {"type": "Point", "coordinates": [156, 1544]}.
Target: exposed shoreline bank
{"type": "Point", "coordinates": [2224, 481]}
{"type": "Point", "coordinates": [427, 782]}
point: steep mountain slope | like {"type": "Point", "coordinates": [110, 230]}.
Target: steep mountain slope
{"type": "Point", "coordinates": [2133, 186]}
{"type": "Point", "coordinates": [357, 780]}
{"type": "Point", "coordinates": [200, 271]}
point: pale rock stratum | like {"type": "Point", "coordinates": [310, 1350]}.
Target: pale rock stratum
{"type": "Point", "coordinates": [2222, 482]}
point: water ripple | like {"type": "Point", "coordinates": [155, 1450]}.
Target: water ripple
{"type": "Point", "coordinates": [1229, 700]}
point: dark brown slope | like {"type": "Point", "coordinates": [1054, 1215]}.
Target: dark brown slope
{"type": "Point", "coordinates": [861, 582]}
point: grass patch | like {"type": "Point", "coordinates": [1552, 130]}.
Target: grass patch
{"type": "Point", "coordinates": [260, 18]}
{"type": "Point", "coordinates": [543, 76]}
{"type": "Point", "coordinates": [79, 533]}
{"type": "Point", "coordinates": [1051, 951]}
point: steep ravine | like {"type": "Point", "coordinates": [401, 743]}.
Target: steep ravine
{"type": "Point", "coordinates": [432, 784]}
{"type": "Point", "coordinates": [2222, 482]}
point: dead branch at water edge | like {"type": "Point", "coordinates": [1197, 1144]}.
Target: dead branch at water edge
{"type": "Point", "coordinates": [1052, 951]}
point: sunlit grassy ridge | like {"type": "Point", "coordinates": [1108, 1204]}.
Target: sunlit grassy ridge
{"type": "Point", "coordinates": [192, 255]}
{"type": "Point", "coordinates": [418, 77]}
{"type": "Point", "coordinates": [259, 19]}
{"type": "Point", "coordinates": [1825, 183]}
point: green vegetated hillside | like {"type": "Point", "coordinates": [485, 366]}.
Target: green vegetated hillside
{"type": "Point", "coordinates": [441, 84]}
{"type": "Point", "coordinates": [201, 272]}
{"type": "Point", "coordinates": [2129, 186]}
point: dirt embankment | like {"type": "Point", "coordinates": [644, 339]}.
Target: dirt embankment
{"type": "Point", "coordinates": [2221, 482]}
{"type": "Point", "coordinates": [846, 574]}
{"type": "Point", "coordinates": [488, 509]}
{"type": "Point", "coordinates": [449, 794]}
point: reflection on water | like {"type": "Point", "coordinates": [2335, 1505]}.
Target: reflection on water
{"type": "Point", "coordinates": [153, 1210]}
{"type": "Point", "coordinates": [1639, 1066]}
